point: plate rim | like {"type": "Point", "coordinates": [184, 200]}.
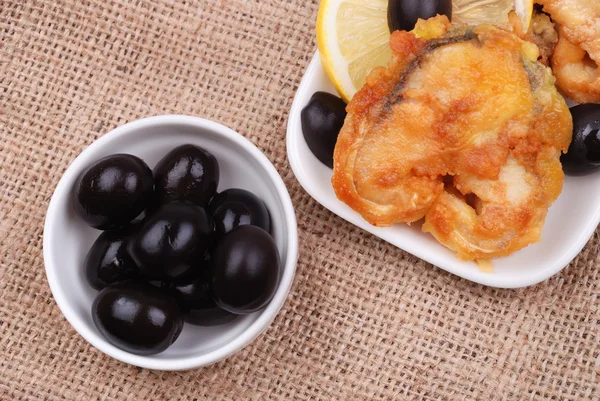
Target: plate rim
{"type": "Point", "coordinates": [488, 279]}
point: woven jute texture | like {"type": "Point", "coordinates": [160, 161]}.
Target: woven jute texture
{"type": "Point", "coordinates": [364, 320]}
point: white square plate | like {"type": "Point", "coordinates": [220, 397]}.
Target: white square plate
{"type": "Point", "coordinates": [571, 221]}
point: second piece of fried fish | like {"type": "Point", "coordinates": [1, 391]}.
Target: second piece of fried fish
{"type": "Point", "coordinates": [576, 59]}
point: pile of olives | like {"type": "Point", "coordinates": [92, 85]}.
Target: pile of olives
{"type": "Point", "coordinates": [173, 249]}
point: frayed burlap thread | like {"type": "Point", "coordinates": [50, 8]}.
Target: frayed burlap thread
{"type": "Point", "coordinates": [364, 320]}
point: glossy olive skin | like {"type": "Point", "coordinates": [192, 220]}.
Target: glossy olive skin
{"type": "Point", "coordinates": [195, 298]}
{"type": "Point", "coordinates": [171, 241]}
{"type": "Point", "coordinates": [236, 207]}
{"type": "Point", "coordinates": [583, 156]}
{"type": "Point", "coordinates": [322, 119]}
{"type": "Point", "coordinates": [246, 270]}
{"type": "Point", "coordinates": [187, 173]}
{"type": "Point", "coordinates": [137, 317]}
{"type": "Point", "coordinates": [403, 14]}
{"type": "Point", "coordinates": [113, 191]}
{"type": "Point", "coordinates": [108, 260]}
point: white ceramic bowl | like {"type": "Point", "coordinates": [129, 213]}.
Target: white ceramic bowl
{"type": "Point", "coordinates": [67, 238]}
{"type": "Point", "coordinates": [571, 220]}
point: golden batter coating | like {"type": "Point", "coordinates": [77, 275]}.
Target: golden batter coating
{"type": "Point", "coordinates": [465, 128]}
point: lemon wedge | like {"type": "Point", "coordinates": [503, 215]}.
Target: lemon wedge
{"type": "Point", "coordinates": [496, 12]}
{"type": "Point", "coordinates": [353, 38]}
{"type": "Point", "coordinates": [353, 35]}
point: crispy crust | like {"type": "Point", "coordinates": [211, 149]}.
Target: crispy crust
{"type": "Point", "coordinates": [472, 104]}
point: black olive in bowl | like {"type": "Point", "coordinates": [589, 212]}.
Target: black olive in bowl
{"type": "Point", "coordinates": [108, 260]}
{"type": "Point", "coordinates": [113, 191]}
{"type": "Point", "coordinates": [195, 297]}
{"type": "Point", "coordinates": [187, 173]}
{"type": "Point", "coordinates": [137, 317]}
{"type": "Point", "coordinates": [236, 207]}
{"type": "Point", "coordinates": [171, 241]}
{"type": "Point", "coordinates": [246, 270]}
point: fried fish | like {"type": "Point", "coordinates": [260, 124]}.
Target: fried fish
{"type": "Point", "coordinates": [464, 128]}
{"type": "Point", "coordinates": [576, 59]}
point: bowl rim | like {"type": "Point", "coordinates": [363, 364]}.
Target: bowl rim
{"type": "Point", "coordinates": [250, 333]}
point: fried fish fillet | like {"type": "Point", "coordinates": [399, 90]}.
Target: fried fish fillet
{"type": "Point", "coordinates": [576, 59]}
{"type": "Point", "coordinates": [464, 128]}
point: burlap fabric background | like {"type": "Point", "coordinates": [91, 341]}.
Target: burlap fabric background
{"type": "Point", "coordinates": [364, 320]}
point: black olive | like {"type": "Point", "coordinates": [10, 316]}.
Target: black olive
{"type": "Point", "coordinates": [162, 284]}
{"type": "Point", "coordinates": [403, 14]}
{"type": "Point", "coordinates": [322, 119]}
{"type": "Point", "coordinates": [171, 241]}
{"type": "Point", "coordinates": [113, 191]}
{"type": "Point", "coordinates": [583, 156]}
{"type": "Point", "coordinates": [237, 207]}
{"type": "Point", "coordinates": [187, 173]}
{"type": "Point", "coordinates": [246, 270]}
{"type": "Point", "coordinates": [108, 260]}
{"type": "Point", "coordinates": [195, 298]}
{"type": "Point", "coordinates": [137, 317]}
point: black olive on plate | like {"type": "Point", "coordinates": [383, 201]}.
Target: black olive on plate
{"type": "Point", "coordinates": [403, 14]}
{"type": "Point", "coordinates": [137, 317]}
{"type": "Point", "coordinates": [583, 156]}
{"type": "Point", "coordinates": [246, 270]}
{"type": "Point", "coordinates": [113, 191]}
{"type": "Point", "coordinates": [236, 207]}
{"type": "Point", "coordinates": [187, 173]}
{"type": "Point", "coordinates": [195, 297]}
{"type": "Point", "coordinates": [322, 119]}
{"type": "Point", "coordinates": [171, 241]}
{"type": "Point", "coordinates": [108, 260]}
